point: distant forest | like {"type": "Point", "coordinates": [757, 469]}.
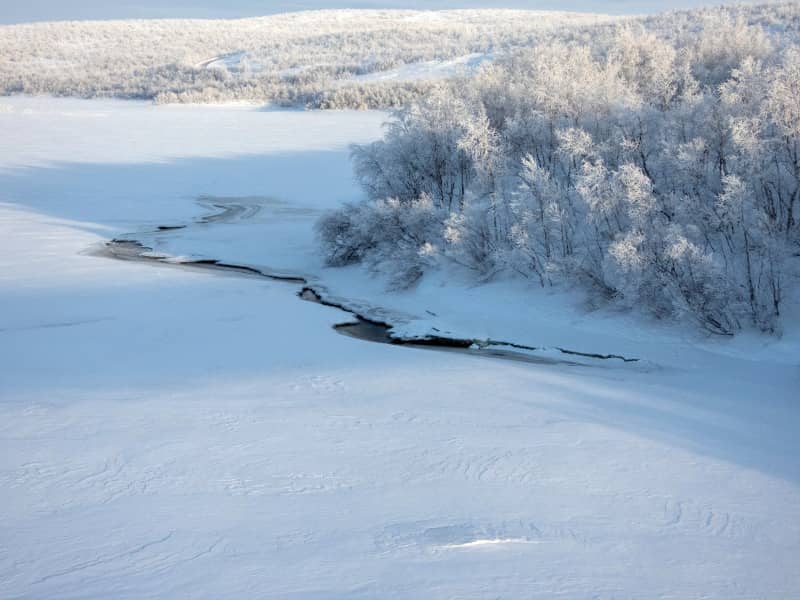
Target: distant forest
{"type": "Point", "coordinates": [308, 58]}
{"type": "Point", "coordinates": [314, 59]}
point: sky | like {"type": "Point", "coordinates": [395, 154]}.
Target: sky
{"type": "Point", "coordinates": [18, 11]}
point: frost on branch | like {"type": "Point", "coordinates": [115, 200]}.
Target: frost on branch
{"type": "Point", "coordinates": [660, 171]}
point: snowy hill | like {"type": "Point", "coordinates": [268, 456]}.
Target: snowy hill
{"type": "Point", "coordinates": [303, 58]}
{"type": "Point", "coordinates": [323, 59]}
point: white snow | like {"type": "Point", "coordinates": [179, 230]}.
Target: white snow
{"type": "Point", "coordinates": [175, 433]}
{"type": "Point", "coordinates": [234, 62]}
{"type": "Point", "coordinates": [492, 542]}
{"type": "Point", "coordinates": [427, 70]}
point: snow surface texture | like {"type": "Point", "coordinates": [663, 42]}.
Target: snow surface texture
{"type": "Point", "coordinates": [170, 433]}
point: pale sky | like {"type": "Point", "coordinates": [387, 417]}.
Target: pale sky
{"type": "Point", "coordinates": [21, 11]}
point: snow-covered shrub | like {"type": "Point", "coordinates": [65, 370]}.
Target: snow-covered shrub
{"type": "Point", "coordinates": [401, 238]}
{"type": "Point", "coordinates": [346, 235]}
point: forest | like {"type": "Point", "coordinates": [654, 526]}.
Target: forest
{"type": "Point", "coordinates": [654, 165]}
{"type": "Point", "coordinates": [314, 59]}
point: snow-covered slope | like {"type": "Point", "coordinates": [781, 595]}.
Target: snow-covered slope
{"type": "Point", "coordinates": [175, 433]}
{"type": "Point", "coordinates": [432, 69]}
{"type": "Point", "coordinates": [319, 58]}
{"type": "Point", "coordinates": [296, 58]}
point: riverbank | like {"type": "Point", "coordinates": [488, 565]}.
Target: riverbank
{"type": "Point", "coordinates": [174, 432]}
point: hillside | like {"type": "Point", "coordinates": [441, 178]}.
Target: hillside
{"type": "Point", "coordinates": [321, 59]}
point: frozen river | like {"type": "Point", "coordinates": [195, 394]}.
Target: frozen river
{"type": "Point", "coordinates": [184, 433]}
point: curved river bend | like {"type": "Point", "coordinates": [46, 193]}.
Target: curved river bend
{"type": "Point", "coordinates": [358, 326]}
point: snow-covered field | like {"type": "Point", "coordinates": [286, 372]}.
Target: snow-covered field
{"type": "Point", "coordinates": [175, 433]}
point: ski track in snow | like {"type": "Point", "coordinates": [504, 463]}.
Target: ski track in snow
{"type": "Point", "coordinates": [174, 433]}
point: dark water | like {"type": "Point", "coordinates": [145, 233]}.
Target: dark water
{"type": "Point", "coordinates": [358, 326]}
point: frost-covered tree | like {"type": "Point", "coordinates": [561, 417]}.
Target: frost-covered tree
{"type": "Point", "coordinates": [655, 164]}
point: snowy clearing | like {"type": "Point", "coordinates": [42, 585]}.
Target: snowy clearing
{"type": "Point", "coordinates": [176, 433]}
{"type": "Point", "coordinates": [428, 70]}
